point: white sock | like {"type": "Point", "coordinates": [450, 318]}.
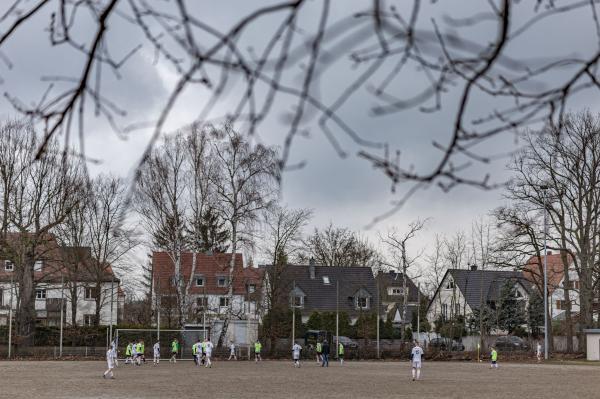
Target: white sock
{"type": "Point", "coordinates": [413, 373]}
{"type": "Point", "coordinates": [418, 373]}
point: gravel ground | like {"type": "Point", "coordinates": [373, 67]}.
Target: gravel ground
{"type": "Point", "coordinates": [278, 379]}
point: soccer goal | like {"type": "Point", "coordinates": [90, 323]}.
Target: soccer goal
{"type": "Point", "coordinates": [186, 338]}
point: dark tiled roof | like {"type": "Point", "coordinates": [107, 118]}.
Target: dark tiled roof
{"type": "Point", "coordinates": [394, 279]}
{"type": "Point", "coordinates": [320, 296]}
{"type": "Point", "coordinates": [471, 282]}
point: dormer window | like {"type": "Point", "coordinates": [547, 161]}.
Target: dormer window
{"type": "Point", "coordinates": [37, 266]}
{"type": "Point", "coordinates": [362, 302]}
{"type": "Point", "coordinates": [395, 291]}
{"type": "Point", "coordinates": [221, 281]}
{"type": "Point", "coordinates": [326, 280]}
{"type": "Point", "coordinates": [199, 281]}
{"type": "Point", "coordinates": [449, 285]}
{"type": "Point", "coordinates": [9, 266]}
{"type": "Point", "coordinates": [251, 288]}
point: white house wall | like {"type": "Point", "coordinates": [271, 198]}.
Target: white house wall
{"type": "Point", "coordinates": [53, 291]}
{"type": "Point", "coordinates": [449, 297]}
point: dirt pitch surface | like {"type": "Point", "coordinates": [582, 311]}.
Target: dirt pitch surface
{"type": "Point", "coordinates": [278, 379]}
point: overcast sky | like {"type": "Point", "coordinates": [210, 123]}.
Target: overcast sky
{"type": "Point", "coordinates": [344, 191]}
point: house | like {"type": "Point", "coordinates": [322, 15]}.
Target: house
{"type": "Point", "coordinates": [205, 284]}
{"type": "Point", "coordinates": [462, 291]}
{"type": "Point", "coordinates": [63, 276]}
{"type": "Point", "coordinates": [534, 272]}
{"type": "Point", "coordinates": [312, 288]}
{"type": "Point", "coordinates": [391, 288]}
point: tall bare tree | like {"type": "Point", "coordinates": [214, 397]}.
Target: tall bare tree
{"type": "Point", "coordinates": [37, 197]}
{"type": "Point", "coordinates": [163, 206]}
{"type": "Point", "coordinates": [559, 172]}
{"type": "Point", "coordinates": [397, 245]}
{"type": "Point", "coordinates": [244, 187]}
{"type": "Point", "coordinates": [339, 246]}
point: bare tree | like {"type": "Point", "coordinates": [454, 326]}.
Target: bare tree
{"type": "Point", "coordinates": [397, 242]}
{"type": "Point", "coordinates": [162, 204]}
{"type": "Point", "coordinates": [110, 238]}
{"type": "Point", "coordinates": [37, 197]}
{"type": "Point", "coordinates": [559, 172]}
{"type": "Point", "coordinates": [243, 188]}
{"type": "Point", "coordinates": [380, 44]}
{"type": "Point", "coordinates": [339, 246]}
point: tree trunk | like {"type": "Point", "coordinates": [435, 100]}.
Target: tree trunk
{"type": "Point", "coordinates": [567, 301]}
{"type": "Point", "coordinates": [74, 301]}
{"type": "Point", "coordinates": [230, 290]}
{"type": "Point", "coordinates": [26, 315]}
{"type": "Point", "coordinates": [98, 301]}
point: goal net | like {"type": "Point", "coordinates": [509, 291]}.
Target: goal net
{"type": "Point", "coordinates": [186, 339]}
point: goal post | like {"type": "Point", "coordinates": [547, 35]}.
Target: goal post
{"type": "Point", "coordinates": [186, 338]}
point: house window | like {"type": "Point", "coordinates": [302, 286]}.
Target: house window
{"type": "Point", "coordinates": [9, 266]}
{"type": "Point", "coordinates": [90, 293]}
{"type": "Point", "coordinates": [201, 303]}
{"type": "Point", "coordinates": [40, 294]}
{"type": "Point", "coordinates": [37, 266]}
{"type": "Point", "coordinates": [251, 288]}
{"type": "Point", "coordinates": [199, 281]}
{"type": "Point", "coordinates": [326, 280]}
{"type": "Point", "coordinates": [449, 285]}
{"type": "Point", "coordinates": [362, 302]}
{"type": "Point", "coordinates": [1, 297]}
{"type": "Point", "coordinates": [395, 291]}
{"type": "Point", "coordinates": [88, 319]}
{"type": "Point", "coordinates": [445, 311]}
{"type": "Point", "coordinates": [223, 301]}
{"type": "Point", "coordinates": [561, 304]}
{"type": "Point", "coordinates": [221, 281]}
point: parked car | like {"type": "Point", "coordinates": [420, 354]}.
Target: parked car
{"type": "Point", "coordinates": [511, 343]}
{"type": "Point", "coordinates": [347, 342]}
{"type": "Point", "coordinates": [446, 344]}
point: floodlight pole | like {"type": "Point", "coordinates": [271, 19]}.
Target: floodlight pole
{"type": "Point", "coordinates": [10, 317]}
{"type": "Point", "coordinates": [337, 318]}
{"type": "Point", "coordinates": [544, 188]}
{"type": "Point", "coordinates": [112, 300]}
{"type": "Point", "coordinates": [62, 301]}
{"type": "Point", "coordinates": [378, 306]}
{"type": "Point", "coordinates": [419, 312]}
{"type": "Point", "coordinates": [294, 315]}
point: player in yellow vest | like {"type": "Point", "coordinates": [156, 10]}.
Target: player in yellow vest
{"type": "Point", "coordinates": [494, 357]}
{"type": "Point", "coordinates": [174, 350]}
{"type": "Point", "coordinates": [128, 358]}
{"type": "Point", "coordinates": [319, 349]}
{"type": "Point", "coordinates": [341, 354]}
{"type": "Point", "coordinates": [257, 349]}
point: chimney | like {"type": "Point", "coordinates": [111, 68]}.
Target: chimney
{"type": "Point", "coordinates": [311, 268]}
{"type": "Point", "coordinates": [473, 267]}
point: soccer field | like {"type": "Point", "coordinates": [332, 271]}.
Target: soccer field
{"type": "Point", "coordinates": [278, 379]}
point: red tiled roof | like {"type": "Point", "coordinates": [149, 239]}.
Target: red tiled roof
{"type": "Point", "coordinates": [54, 259]}
{"type": "Point", "coordinates": [534, 270]}
{"type": "Point", "coordinates": [208, 266]}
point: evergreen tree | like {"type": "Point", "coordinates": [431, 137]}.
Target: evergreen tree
{"type": "Point", "coordinates": [535, 313]}
{"type": "Point", "coordinates": [511, 311]}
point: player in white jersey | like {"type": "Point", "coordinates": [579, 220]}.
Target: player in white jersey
{"type": "Point", "coordinates": [296, 354]}
{"type": "Point", "coordinates": [232, 351]}
{"type": "Point", "coordinates": [156, 350]}
{"type": "Point", "coordinates": [134, 354]}
{"type": "Point", "coordinates": [208, 347]}
{"type": "Point", "coordinates": [416, 356]}
{"type": "Point", "coordinates": [538, 352]}
{"type": "Point", "coordinates": [111, 360]}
